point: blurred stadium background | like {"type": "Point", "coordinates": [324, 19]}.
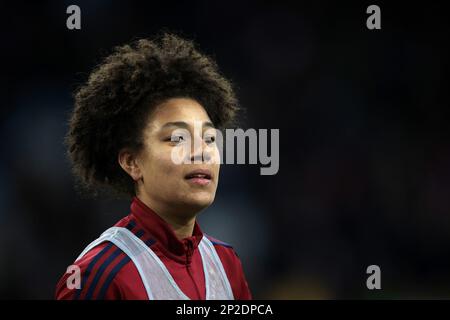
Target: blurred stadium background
{"type": "Point", "coordinates": [364, 161]}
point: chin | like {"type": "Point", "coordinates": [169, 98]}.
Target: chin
{"type": "Point", "coordinates": [199, 202]}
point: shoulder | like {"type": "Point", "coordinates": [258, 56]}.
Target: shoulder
{"type": "Point", "coordinates": [223, 249]}
{"type": "Point", "coordinates": [99, 270]}
{"type": "Point", "coordinates": [216, 242]}
{"type": "Point", "coordinates": [104, 271]}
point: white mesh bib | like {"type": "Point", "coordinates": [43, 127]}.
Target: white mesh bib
{"type": "Point", "coordinates": [157, 280]}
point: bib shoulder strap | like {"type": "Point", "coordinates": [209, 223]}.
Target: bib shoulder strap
{"type": "Point", "coordinates": [215, 278]}
{"type": "Point", "coordinates": [105, 236]}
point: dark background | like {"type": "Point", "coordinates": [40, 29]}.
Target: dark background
{"type": "Point", "coordinates": [364, 141]}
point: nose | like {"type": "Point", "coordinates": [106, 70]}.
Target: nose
{"type": "Point", "coordinates": [200, 152]}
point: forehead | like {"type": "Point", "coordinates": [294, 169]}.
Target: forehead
{"type": "Point", "coordinates": [178, 109]}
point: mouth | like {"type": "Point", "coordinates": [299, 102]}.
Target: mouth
{"type": "Point", "coordinates": [199, 177]}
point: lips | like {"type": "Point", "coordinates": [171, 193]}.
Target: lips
{"type": "Point", "coordinates": [201, 174]}
{"type": "Point", "coordinates": [199, 177]}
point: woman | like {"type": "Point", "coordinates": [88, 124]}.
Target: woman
{"type": "Point", "coordinates": [139, 110]}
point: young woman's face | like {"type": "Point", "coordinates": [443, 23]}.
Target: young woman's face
{"type": "Point", "coordinates": [168, 141]}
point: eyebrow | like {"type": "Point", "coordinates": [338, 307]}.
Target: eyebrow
{"type": "Point", "coordinates": [185, 125]}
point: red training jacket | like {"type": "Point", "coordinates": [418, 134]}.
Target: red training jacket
{"type": "Point", "coordinates": [108, 273]}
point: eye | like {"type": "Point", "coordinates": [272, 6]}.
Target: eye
{"type": "Point", "coordinates": [210, 139]}
{"type": "Point", "coordinates": [176, 138]}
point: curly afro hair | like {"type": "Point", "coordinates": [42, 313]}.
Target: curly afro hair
{"type": "Point", "coordinates": [111, 108]}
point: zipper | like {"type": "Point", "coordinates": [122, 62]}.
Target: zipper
{"type": "Point", "coordinates": [189, 253]}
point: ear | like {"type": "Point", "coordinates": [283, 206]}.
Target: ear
{"type": "Point", "coordinates": [128, 162]}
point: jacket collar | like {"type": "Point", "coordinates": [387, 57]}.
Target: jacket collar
{"type": "Point", "coordinates": [163, 234]}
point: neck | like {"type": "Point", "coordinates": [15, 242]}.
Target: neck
{"type": "Point", "coordinates": [182, 226]}
{"type": "Point", "coordinates": [182, 229]}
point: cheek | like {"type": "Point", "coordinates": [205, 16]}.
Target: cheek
{"type": "Point", "coordinates": [215, 164]}
{"type": "Point", "coordinates": [214, 154]}
{"type": "Point", "coordinates": [216, 168]}
{"type": "Point", "coordinates": [158, 167]}
{"type": "Point", "coordinates": [164, 166]}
